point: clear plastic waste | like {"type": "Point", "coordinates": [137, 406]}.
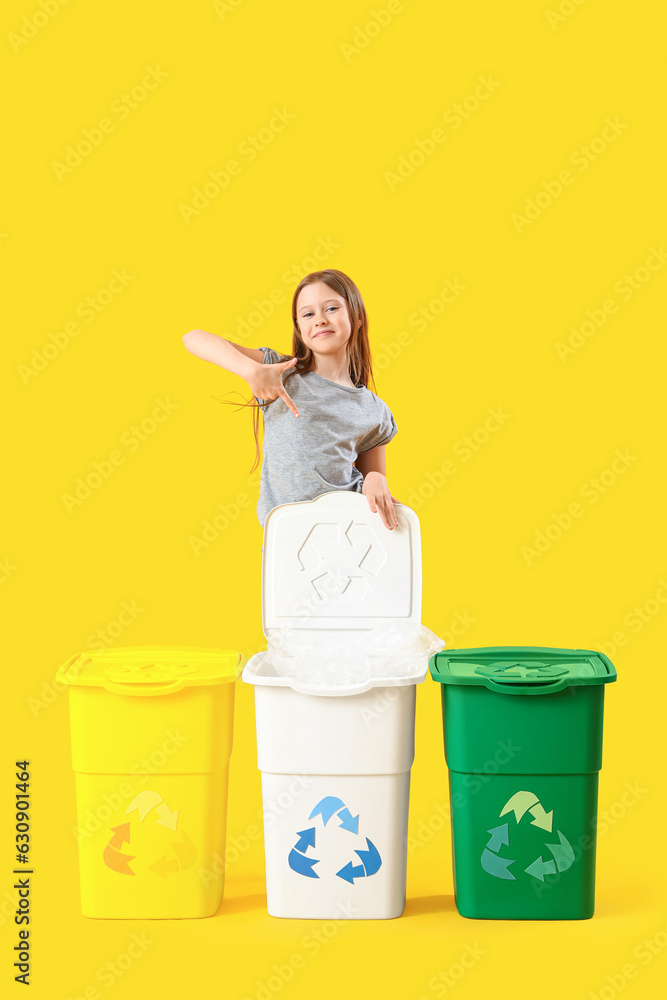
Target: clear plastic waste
{"type": "Point", "coordinates": [400, 649]}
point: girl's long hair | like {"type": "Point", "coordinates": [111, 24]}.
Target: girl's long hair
{"type": "Point", "coordinates": [358, 349]}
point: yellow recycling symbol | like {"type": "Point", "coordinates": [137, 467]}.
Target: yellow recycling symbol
{"type": "Point", "coordinates": [151, 832]}
{"type": "Point", "coordinates": [519, 804]}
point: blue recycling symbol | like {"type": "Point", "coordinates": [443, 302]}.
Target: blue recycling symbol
{"type": "Point", "coordinates": [302, 864]}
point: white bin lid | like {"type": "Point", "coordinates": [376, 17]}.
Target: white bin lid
{"type": "Point", "coordinates": [331, 564]}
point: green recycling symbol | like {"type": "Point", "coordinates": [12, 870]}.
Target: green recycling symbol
{"type": "Point", "coordinates": [498, 866]}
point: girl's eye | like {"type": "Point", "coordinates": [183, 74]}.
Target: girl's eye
{"type": "Point", "coordinates": [306, 315]}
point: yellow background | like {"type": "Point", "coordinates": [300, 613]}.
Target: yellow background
{"type": "Point", "coordinates": [322, 180]}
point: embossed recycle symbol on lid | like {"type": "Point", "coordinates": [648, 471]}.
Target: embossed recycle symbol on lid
{"type": "Point", "coordinates": [148, 673]}
{"type": "Point", "coordinates": [370, 859]}
{"type": "Point", "coordinates": [342, 561]}
{"type": "Point", "coordinates": [532, 669]}
{"type": "Point", "coordinates": [498, 866]}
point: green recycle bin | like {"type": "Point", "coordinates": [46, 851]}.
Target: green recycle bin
{"type": "Point", "coordinates": [523, 744]}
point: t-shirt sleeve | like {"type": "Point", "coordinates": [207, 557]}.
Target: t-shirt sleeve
{"type": "Point", "coordinates": [272, 357]}
{"type": "Point", "coordinates": [382, 434]}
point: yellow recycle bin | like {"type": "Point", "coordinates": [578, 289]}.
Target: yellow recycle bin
{"type": "Point", "coordinates": [151, 732]}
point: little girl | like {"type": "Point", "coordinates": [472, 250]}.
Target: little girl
{"type": "Point", "coordinates": [324, 429]}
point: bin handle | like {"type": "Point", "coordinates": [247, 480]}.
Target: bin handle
{"type": "Point", "coordinates": [506, 687]}
{"type": "Point", "coordinates": [160, 687]}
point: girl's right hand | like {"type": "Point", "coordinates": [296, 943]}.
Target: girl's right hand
{"type": "Point", "coordinates": [266, 383]}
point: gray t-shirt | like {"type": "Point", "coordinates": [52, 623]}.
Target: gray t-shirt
{"type": "Point", "coordinates": [314, 453]}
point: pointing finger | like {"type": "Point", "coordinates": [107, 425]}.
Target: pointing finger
{"type": "Point", "coordinates": [289, 403]}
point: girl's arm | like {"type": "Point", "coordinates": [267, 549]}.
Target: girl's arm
{"type": "Point", "coordinates": [373, 467]}
{"type": "Point", "coordinates": [232, 357]}
{"type": "Point", "coordinates": [264, 380]}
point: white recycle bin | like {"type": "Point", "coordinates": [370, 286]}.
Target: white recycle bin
{"type": "Point", "coordinates": [336, 761]}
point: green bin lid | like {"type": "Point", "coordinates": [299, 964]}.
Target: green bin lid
{"type": "Point", "coordinates": [151, 670]}
{"type": "Point", "coordinates": [522, 669]}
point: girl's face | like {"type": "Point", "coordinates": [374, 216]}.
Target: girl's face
{"type": "Point", "coordinates": [323, 319]}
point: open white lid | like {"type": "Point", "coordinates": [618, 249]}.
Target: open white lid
{"type": "Point", "coordinates": [331, 564]}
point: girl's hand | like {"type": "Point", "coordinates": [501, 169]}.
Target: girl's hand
{"type": "Point", "coordinates": [266, 383]}
{"type": "Point", "coordinates": [377, 493]}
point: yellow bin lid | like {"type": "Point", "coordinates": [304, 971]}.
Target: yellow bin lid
{"type": "Point", "coordinates": [152, 670]}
